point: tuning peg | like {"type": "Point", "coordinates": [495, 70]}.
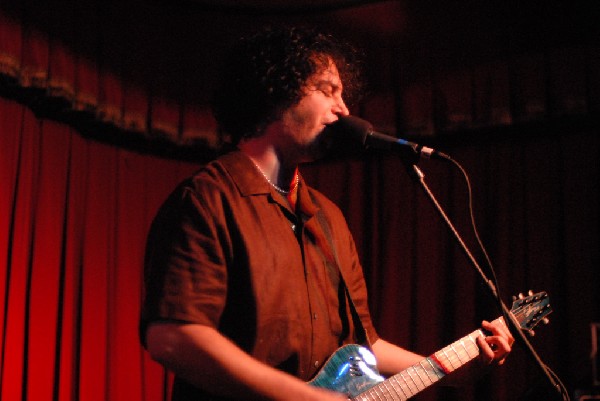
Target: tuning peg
{"type": "Point", "coordinates": [530, 332]}
{"type": "Point", "coordinates": [545, 320]}
{"type": "Point", "coordinates": [530, 293]}
{"type": "Point", "coordinates": [521, 296]}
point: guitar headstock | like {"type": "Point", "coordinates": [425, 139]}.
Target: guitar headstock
{"type": "Point", "coordinates": [530, 310]}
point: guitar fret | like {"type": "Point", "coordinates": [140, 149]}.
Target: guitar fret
{"type": "Point", "coordinates": [476, 333]}
{"type": "Point", "coordinates": [457, 354]}
{"type": "Point", "coordinates": [473, 343]}
{"type": "Point", "coordinates": [411, 379]}
{"type": "Point", "coordinates": [434, 369]}
{"type": "Point", "coordinates": [415, 389]}
{"type": "Point", "coordinates": [401, 387]}
{"type": "Point", "coordinates": [380, 393]}
{"type": "Point", "coordinates": [389, 391]}
{"type": "Point", "coordinates": [419, 388]}
{"type": "Point", "coordinates": [462, 343]}
{"type": "Point", "coordinates": [394, 380]}
{"type": "Point", "coordinates": [416, 386]}
{"type": "Point", "coordinates": [366, 396]}
{"type": "Point", "coordinates": [420, 378]}
{"type": "Point", "coordinates": [372, 393]}
{"type": "Point", "coordinates": [427, 371]}
{"type": "Point", "coordinates": [408, 388]}
{"type": "Point", "coordinates": [438, 362]}
{"type": "Point", "coordinates": [448, 359]}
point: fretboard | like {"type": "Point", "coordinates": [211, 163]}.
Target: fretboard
{"type": "Point", "coordinates": [427, 372]}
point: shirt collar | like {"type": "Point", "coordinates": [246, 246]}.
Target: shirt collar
{"type": "Point", "coordinates": [244, 174]}
{"type": "Point", "coordinates": [251, 182]}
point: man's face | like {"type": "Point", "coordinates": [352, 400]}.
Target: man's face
{"type": "Point", "coordinates": [304, 122]}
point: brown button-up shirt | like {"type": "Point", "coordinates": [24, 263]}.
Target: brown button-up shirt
{"type": "Point", "coordinates": [226, 250]}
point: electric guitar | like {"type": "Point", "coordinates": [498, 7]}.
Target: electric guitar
{"type": "Point", "coordinates": [352, 370]}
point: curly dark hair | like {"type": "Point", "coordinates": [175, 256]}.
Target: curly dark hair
{"type": "Point", "coordinates": [265, 74]}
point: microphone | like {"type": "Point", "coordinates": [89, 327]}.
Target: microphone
{"type": "Point", "coordinates": [350, 131]}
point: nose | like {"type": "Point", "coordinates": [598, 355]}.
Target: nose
{"type": "Point", "coordinates": [341, 108]}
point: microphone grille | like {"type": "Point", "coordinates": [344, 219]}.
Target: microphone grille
{"type": "Point", "coordinates": [347, 136]}
{"type": "Point", "coordinates": [353, 128]}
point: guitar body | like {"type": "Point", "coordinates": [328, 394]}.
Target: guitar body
{"type": "Point", "coordinates": [351, 370]}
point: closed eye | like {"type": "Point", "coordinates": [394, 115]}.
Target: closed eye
{"type": "Point", "coordinates": [329, 89]}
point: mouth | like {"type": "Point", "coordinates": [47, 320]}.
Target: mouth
{"type": "Point", "coordinates": [338, 141]}
{"type": "Point", "coordinates": [328, 136]}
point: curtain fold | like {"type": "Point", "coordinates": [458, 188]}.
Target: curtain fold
{"type": "Point", "coordinates": [75, 212]}
{"type": "Point", "coordinates": [69, 62]}
{"type": "Point", "coordinates": [74, 220]}
{"type": "Point", "coordinates": [129, 71]}
{"type": "Point", "coordinates": [97, 118]}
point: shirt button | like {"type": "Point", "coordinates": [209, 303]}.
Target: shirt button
{"type": "Point", "coordinates": [315, 316]}
{"type": "Point", "coordinates": [316, 364]}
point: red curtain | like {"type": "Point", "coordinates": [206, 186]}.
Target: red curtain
{"type": "Point", "coordinates": [84, 113]}
{"type": "Point", "coordinates": [74, 214]}
{"type": "Point", "coordinates": [73, 219]}
{"type": "Point", "coordinates": [69, 61]}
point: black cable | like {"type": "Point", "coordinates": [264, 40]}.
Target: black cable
{"type": "Point", "coordinates": [488, 260]}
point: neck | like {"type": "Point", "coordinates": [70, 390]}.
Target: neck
{"type": "Point", "coordinates": [264, 155]}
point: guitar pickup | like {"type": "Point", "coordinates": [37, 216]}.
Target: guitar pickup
{"type": "Point", "coordinates": [354, 366]}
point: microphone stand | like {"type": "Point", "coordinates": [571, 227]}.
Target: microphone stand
{"type": "Point", "coordinates": [410, 158]}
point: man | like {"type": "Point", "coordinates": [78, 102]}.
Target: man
{"type": "Point", "coordinates": [252, 277]}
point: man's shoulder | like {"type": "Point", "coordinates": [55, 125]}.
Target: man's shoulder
{"type": "Point", "coordinates": [320, 198]}
{"type": "Point", "coordinates": [326, 206]}
{"type": "Point", "coordinates": [216, 172]}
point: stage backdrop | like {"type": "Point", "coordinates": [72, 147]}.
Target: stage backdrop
{"type": "Point", "coordinates": [74, 215]}
{"type": "Point", "coordinates": [103, 111]}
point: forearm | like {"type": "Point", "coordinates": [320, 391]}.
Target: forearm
{"type": "Point", "coordinates": [493, 350]}
{"type": "Point", "coordinates": [392, 359]}
{"type": "Point", "coordinates": [208, 360]}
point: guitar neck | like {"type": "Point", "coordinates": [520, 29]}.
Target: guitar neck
{"type": "Point", "coordinates": [427, 372]}
{"type": "Point", "coordinates": [527, 313]}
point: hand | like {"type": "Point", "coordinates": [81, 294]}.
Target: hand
{"type": "Point", "coordinates": [496, 347]}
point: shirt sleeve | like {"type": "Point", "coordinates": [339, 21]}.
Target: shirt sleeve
{"type": "Point", "coordinates": [185, 266]}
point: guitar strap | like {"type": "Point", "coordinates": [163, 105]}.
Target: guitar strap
{"type": "Point", "coordinates": [360, 332]}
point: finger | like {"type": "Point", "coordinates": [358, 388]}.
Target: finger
{"type": "Point", "coordinates": [498, 328]}
{"type": "Point", "coordinates": [502, 327]}
{"type": "Point", "coordinates": [499, 344]}
{"type": "Point", "coordinates": [486, 353]}
{"type": "Point", "coordinates": [500, 348]}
